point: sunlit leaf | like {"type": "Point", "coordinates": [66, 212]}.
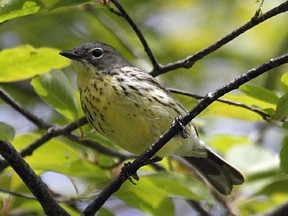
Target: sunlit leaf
{"type": "Point", "coordinates": [12, 9]}
{"type": "Point", "coordinates": [16, 8]}
{"type": "Point", "coordinates": [25, 61]}
{"type": "Point", "coordinates": [224, 142]}
{"type": "Point", "coordinates": [237, 112]}
{"type": "Point", "coordinates": [260, 93]}
{"type": "Point", "coordinates": [282, 108]}
{"type": "Point", "coordinates": [55, 89]}
{"type": "Point", "coordinates": [57, 156]}
{"type": "Point", "coordinates": [7, 132]}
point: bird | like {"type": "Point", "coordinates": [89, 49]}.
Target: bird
{"type": "Point", "coordinates": [133, 109]}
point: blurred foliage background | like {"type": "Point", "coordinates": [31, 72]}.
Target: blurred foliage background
{"type": "Point", "coordinates": [33, 32]}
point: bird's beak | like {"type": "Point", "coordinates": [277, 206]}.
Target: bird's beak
{"type": "Point", "coordinates": [70, 54]}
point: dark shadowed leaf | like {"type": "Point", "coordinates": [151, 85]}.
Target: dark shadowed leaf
{"type": "Point", "coordinates": [284, 155]}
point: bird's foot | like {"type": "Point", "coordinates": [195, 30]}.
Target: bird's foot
{"type": "Point", "coordinates": [183, 131]}
{"type": "Point", "coordinates": [130, 175]}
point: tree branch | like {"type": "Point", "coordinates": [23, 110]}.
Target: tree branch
{"type": "Point", "coordinates": [96, 204]}
{"type": "Point", "coordinates": [100, 148]}
{"type": "Point", "coordinates": [32, 181]}
{"type": "Point", "coordinates": [115, 29]}
{"type": "Point", "coordinates": [190, 60]}
{"type": "Point", "coordinates": [34, 119]}
{"type": "Point", "coordinates": [51, 132]}
{"type": "Point", "coordinates": [138, 32]}
{"type": "Point", "coordinates": [14, 193]}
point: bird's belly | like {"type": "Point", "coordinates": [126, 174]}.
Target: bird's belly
{"type": "Point", "coordinates": [133, 121]}
{"type": "Point", "coordinates": [132, 125]}
{"type": "Point", "coordinates": [136, 128]}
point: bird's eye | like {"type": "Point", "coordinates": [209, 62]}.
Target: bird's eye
{"type": "Point", "coordinates": [97, 53]}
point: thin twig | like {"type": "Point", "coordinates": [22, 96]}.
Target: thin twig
{"type": "Point", "coordinates": [114, 29]}
{"type": "Point", "coordinates": [33, 182]}
{"type": "Point", "coordinates": [138, 32]}
{"type": "Point", "coordinates": [265, 116]}
{"type": "Point", "coordinates": [14, 193]}
{"type": "Point", "coordinates": [34, 119]}
{"type": "Point", "coordinates": [96, 204]}
{"type": "Point", "coordinates": [51, 132]}
{"type": "Point", "coordinates": [100, 148]}
{"type": "Point", "coordinates": [190, 60]}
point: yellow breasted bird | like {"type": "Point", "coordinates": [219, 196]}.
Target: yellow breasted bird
{"type": "Point", "coordinates": [132, 109]}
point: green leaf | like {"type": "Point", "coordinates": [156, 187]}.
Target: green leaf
{"type": "Point", "coordinates": [269, 185]}
{"type": "Point", "coordinates": [284, 155]}
{"type": "Point", "coordinates": [58, 156]}
{"type": "Point", "coordinates": [282, 108]}
{"type": "Point", "coordinates": [16, 8]}
{"type": "Point", "coordinates": [223, 142]}
{"type": "Point", "coordinates": [284, 82]}
{"type": "Point", "coordinates": [7, 132]}
{"type": "Point", "coordinates": [278, 185]}
{"type": "Point", "coordinates": [55, 89]}
{"type": "Point", "coordinates": [259, 93]}
{"type": "Point", "coordinates": [25, 61]}
{"type": "Point", "coordinates": [12, 9]}
{"type": "Point", "coordinates": [178, 185]}
{"type": "Point", "coordinates": [166, 185]}
{"type": "Point", "coordinates": [237, 112]}
{"type": "Point", "coordinates": [105, 212]}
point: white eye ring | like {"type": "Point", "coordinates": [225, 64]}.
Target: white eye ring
{"type": "Point", "coordinates": [97, 53]}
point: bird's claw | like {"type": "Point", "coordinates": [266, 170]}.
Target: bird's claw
{"type": "Point", "coordinates": [183, 131]}
{"type": "Point", "coordinates": [127, 171]}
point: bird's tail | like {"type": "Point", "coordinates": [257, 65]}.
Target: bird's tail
{"type": "Point", "coordinates": [217, 171]}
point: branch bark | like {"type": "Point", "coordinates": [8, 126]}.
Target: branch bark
{"type": "Point", "coordinates": [32, 181]}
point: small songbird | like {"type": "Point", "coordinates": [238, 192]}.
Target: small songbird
{"type": "Point", "coordinates": [132, 109]}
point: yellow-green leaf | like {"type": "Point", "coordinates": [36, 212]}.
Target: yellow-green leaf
{"type": "Point", "coordinates": [11, 9]}
{"type": "Point", "coordinates": [25, 62]}
{"type": "Point", "coordinates": [260, 93]}
{"type": "Point", "coordinates": [237, 112]}
{"type": "Point", "coordinates": [17, 8]}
